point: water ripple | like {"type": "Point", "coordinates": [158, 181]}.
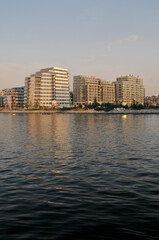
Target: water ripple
{"type": "Point", "coordinates": [79, 177]}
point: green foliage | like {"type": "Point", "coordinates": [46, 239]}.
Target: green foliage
{"type": "Point", "coordinates": [99, 108]}
{"type": "Point", "coordinates": [95, 104]}
{"type": "Point", "coordinates": [66, 109]}
{"type": "Point", "coordinates": [36, 104]}
{"type": "Point", "coordinates": [80, 105]}
{"type": "Point", "coordinates": [137, 106]}
{"type": "Point", "coordinates": [126, 106]}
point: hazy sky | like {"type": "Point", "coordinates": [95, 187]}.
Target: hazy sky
{"type": "Point", "coordinates": [103, 38]}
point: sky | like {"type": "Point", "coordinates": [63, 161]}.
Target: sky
{"type": "Point", "coordinates": [102, 38]}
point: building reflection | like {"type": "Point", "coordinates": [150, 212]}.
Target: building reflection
{"type": "Point", "coordinates": [49, 137]}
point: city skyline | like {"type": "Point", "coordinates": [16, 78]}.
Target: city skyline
{"type": "Point", "coordinates": [98, 38]}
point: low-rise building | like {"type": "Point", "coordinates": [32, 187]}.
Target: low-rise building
{"type": "Point", "coordinates": [152, 100]}
{"type": "Point", "coordinates": [9, 98]}
{"type": "Point", "coordinates": [13, 97]}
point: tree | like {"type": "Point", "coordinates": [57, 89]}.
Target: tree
{"type": "Point", "coordinates": [37, 104]}
{"type": "Point", "coordinates": [136, 105]}
{"type": "Point", "coordinates": [95, 104]}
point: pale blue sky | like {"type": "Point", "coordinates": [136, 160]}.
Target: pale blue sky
{"type": "Point", "coordinates": [105, 38]}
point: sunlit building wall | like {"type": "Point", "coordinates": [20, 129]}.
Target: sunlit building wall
{"type": "Point", "coordinates": [129, 89]}
{"type": "Point", "coordinates": [107, 92]}
{"type": "Point", "coordinates": [47, 86]}
{"type": "Point", "coordinates": [152, 100]}
{"type": "Point", "coordinates": [88, 88]}
{"type": "Point", "coordinates": [13, 97]}
{"type": "Point", "coordinates": [84, 89]}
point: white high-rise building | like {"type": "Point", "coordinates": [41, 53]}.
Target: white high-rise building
{"type": "Point", "coordinates": [47, 88]}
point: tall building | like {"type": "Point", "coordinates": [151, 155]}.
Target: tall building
{"type": "Point", "coordinates": [47, 88]}
{"type": "Point", "coordinates": [88, 88]}
{"type": "Point", "coordinates": [107, 92]}
{"type": "Point", "coordinates": [129, 89]}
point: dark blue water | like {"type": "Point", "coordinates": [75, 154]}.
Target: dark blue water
{"type": "Point", "coordinates": [72, 176]}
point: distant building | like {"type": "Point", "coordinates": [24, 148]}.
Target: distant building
{"type": "Point", "coordinates": [47, 88]}
{"type": "Point", "coordinates": [71, 97]}
{"type": "Point", "coordinates": [152, 100]}
{"type": "Point", "coordinates": [1, 99]}
{"type": "Point", "coordinates": [13, 97]}
{"type": "Point", "coordinates": [129, 89]}
{"type": "Point", "coordinates": [107, 94]}
{"type": "Point", "coordinates": [19, 92]}
{"type": "Point", "coordinates": [9, 98]}
{"type": "Point", "coordinates": [88, 88]}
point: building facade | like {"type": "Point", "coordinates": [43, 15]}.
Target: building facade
{"type": "Point", "coordinates": [47, 88]}
{"type": "Point", "coordinates": [1, 99]}
{"type": "Point", "coordinates": [152, 100]}
{"type": "Point", "coordinates": [88, 88]}
{"type": "Point", "coordinates": [129, 89]}
{"type": "Point", "coordinates": [13, 97]}
{"type": "Point", "coordinates": [19, 92]}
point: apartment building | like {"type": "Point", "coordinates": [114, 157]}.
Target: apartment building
{"type": "Point", "coordinates": [129, 89]}
{"type": "Point", "coordinates": [88, 88]}
{"type": "Point", "coordinates": [9, 98]}
{"type": "Point", "coordinates": [13, 97]}
{"type": "Point", "coordinates": [107, 92]}
{"type": "Point", "coordinates": [47, 88]}
{"type": "Point", "coordinates": [19, 93]}
{"type": "Point", "coordinates": [1, 99]}
{"type": "Point", "coordinates": [152, 100]}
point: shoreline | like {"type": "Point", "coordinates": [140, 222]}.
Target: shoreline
{"type": "Point", "coordinates": [50, 112]}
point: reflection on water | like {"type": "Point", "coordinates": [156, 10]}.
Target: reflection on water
{"type": "Point", "coordinates": [50, 134]}
{"type": "Point", "coordinates": [79, 176]}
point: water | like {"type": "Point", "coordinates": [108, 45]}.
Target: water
{"type": "Point", "coordinates": [72, 176]}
